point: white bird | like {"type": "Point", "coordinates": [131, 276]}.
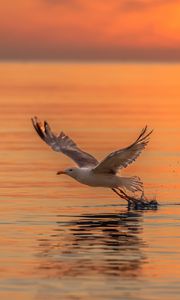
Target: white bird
{"type": "Point", "coordinates": [91, 172]}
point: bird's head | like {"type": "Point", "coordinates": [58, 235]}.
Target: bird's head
{"type": "Point", "coordinates": [72, 172]}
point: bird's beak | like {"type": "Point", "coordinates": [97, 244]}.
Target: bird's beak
{"type": "Point", "coordinates": [60, 172]}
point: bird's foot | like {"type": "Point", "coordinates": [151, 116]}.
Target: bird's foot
{"type": "Point", "coordinates": [138, 203]}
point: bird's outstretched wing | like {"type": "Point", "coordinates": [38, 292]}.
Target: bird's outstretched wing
{"type": "Point", "coordinates": [122, 158]}
{"type": "Point", "coordinates": [62, 143]}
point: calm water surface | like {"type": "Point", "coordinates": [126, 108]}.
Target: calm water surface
{"type": "Point", "coordinates": [63, 240]}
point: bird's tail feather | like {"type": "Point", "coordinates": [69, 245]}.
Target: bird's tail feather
{"type": "Point", "coordinates": [132, 184]}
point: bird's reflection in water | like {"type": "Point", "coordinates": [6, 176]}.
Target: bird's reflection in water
{"type": "Point", "coordinates": [94, 244]}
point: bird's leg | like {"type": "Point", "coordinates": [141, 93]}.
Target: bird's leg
{"type": "Point", "coordinates": [128, 198]}
{"type": "Point", "coordinates": [120, 194]}
{"type": "Point", "coordinates": [114, 190]}
{"type": "Point", "coordinates": [136, 203]}
{"type": "Point", "coordinates": [121, 191]}
{"type": "Point", "coordinates": [125, 195]}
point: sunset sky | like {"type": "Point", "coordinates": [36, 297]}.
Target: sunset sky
{"type": "Point", "coordinates": [84, 29]}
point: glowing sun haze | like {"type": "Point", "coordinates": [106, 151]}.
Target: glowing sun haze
{"type": "Point", "coordinates": [84, 29]}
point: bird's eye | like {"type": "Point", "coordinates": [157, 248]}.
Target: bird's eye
{"type": "Point", "coordinates": [70, 170]}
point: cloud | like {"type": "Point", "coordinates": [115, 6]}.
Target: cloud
{"type": "Point", "coordinates": [123, 5]}
{"type": "Point", "coordinates": [69, 3]}
{"type": "Point", "coordinates": [59, 2]}
{"type": "Point", "coordinates": [136, 5]}
{"type": "Point", "coordinates": [131, 5]}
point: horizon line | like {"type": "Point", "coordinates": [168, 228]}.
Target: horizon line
{"type": "Point", "coordinates": [71, 60]}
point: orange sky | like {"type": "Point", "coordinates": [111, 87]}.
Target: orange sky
{"type": "Point", "coordinates": [84, 29]}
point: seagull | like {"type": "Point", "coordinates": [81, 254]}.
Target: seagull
{"type": "Point", "coordinates": [91, 172]}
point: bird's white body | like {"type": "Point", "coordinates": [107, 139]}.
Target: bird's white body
{"type": "Point", "coordinates": [88, 177]}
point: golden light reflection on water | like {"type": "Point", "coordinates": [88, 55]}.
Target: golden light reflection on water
{"type": "Point", "coordinates": [55, 233]}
